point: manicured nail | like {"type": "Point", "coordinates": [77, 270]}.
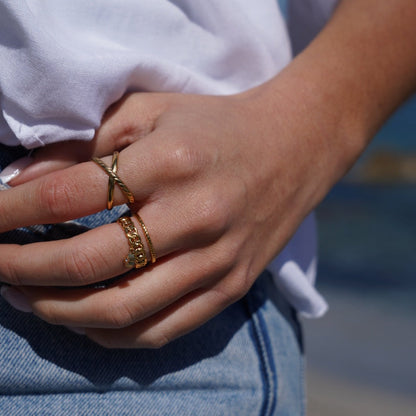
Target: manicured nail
{"type": "Point", "coordinates": [76, 330]}
{"type": "Point", "coordinates": [15, 298]}
{"type": "Point", "coordinates": [14, 169]}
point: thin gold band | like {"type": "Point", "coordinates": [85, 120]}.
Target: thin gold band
{"type": "Point", "coordinates": [148, 239]}
{"type": "Point", "coordinates": [136, 256]}
{"type": "Point", "coordinates": [114, 167]}
{"type": "Point", "coordinates": [126, 191]}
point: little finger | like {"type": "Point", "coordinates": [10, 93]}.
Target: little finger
{"type": "Point", "coordinates": [137, 297]}
{"type": "Point", "coordinates": [180, 318]}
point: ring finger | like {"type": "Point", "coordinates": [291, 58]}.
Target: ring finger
{"type": "Point", "coordinates": [135, 299]}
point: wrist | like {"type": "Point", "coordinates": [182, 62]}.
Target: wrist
{"type": "Point", "coordinates": [339, 91]}
{"type": "Point", "coordinates": [303, 108]}
{"type": "Point", "coordinates": [329, 105]}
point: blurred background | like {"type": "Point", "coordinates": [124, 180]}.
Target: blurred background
{"type": "Point", "coordinates": [361, 354]}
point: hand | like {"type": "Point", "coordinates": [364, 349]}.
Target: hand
{"type": "Point", "coordinates": [221, 185]}
{"type": "Point", "coordinates": [221, 182]}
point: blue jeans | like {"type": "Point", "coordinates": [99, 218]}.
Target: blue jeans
{"type": "Point", "coordinates": [246, 361]}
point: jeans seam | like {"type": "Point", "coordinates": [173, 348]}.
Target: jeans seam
{"type": "Point", "coordinates": [262, 343]}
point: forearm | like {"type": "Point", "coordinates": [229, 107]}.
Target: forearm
{"type": "Point", "coordinates": [366, 59]}
{"type": "Point", "coordinates": [349, 80]}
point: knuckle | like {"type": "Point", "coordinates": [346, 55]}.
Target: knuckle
{"type": "Point", "coordinates": [57, 197]}
{"type": "Point", "coordinates": [80, 266]}
{"type": "Point", "coordinates": [214, 213]}
{"type": "Point", "coordinates": [212, 216]}
{"type": "Point", "coordinates": [8, 269]}
{"type": "Point", "coordinates": [232, 253]}
{"type": "Point", "coordinates": [233, 289]}
{"type": "Point", "coordinates": [127, 126]}
{"type": "Point", "coordinates": [131, 130]}
{"type": "Point", "coordinates": [6, 215]}
{"type": "Point", "coordinates": [182, 160]}
{"type": "Point", "coordinates": [119, 315]}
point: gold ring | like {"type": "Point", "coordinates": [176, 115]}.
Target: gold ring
{"type": "Point", "coordinates": [136, 256]}
{"type": "Point", "coordinates": [148, 240]}
{"type": "Point", "coordinates": [126, 191]}
{"type": "Point", "coordinates": [114, 167]}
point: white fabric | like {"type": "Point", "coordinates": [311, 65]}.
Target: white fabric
{"type": "Point", "coordinates": [64, 62]}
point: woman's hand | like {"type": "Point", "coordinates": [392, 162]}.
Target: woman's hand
{"type": "Point", "coordinates": [220, 186]}
{"type": "Point", "coordinates": [221, 183]}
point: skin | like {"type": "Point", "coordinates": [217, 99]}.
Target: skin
{"type": "Point", "coordinates": [222, 183]}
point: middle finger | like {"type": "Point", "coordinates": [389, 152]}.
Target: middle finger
{"type": "Point", "coordinates": [79, 190]}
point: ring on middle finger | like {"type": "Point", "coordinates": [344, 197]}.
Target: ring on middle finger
{"type": "Point", "coordinates": [114, 168]}
{"type": "Point", "coordinates": [111, 172]}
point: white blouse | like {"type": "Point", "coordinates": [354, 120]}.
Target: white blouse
{"type": "Point", "coordinates": [64, 62]}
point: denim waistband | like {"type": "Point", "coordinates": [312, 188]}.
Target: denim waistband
{"type": "Point", "coordinates": [246, 361]}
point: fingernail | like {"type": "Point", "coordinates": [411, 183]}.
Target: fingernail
{"type": "Point", "coordinates": [15, 298]}
{"type": "Point", "coordinates": [76, 330]}
{"type": "Point", "coordinates": [14, 169]}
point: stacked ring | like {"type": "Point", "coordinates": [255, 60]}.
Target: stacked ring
{"type": "Point", "coordinates": [136, 256]}
{"type": "Point", "coordinates": [111, 172]}
{"type": "Point", "coordinates": [148, 240]}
